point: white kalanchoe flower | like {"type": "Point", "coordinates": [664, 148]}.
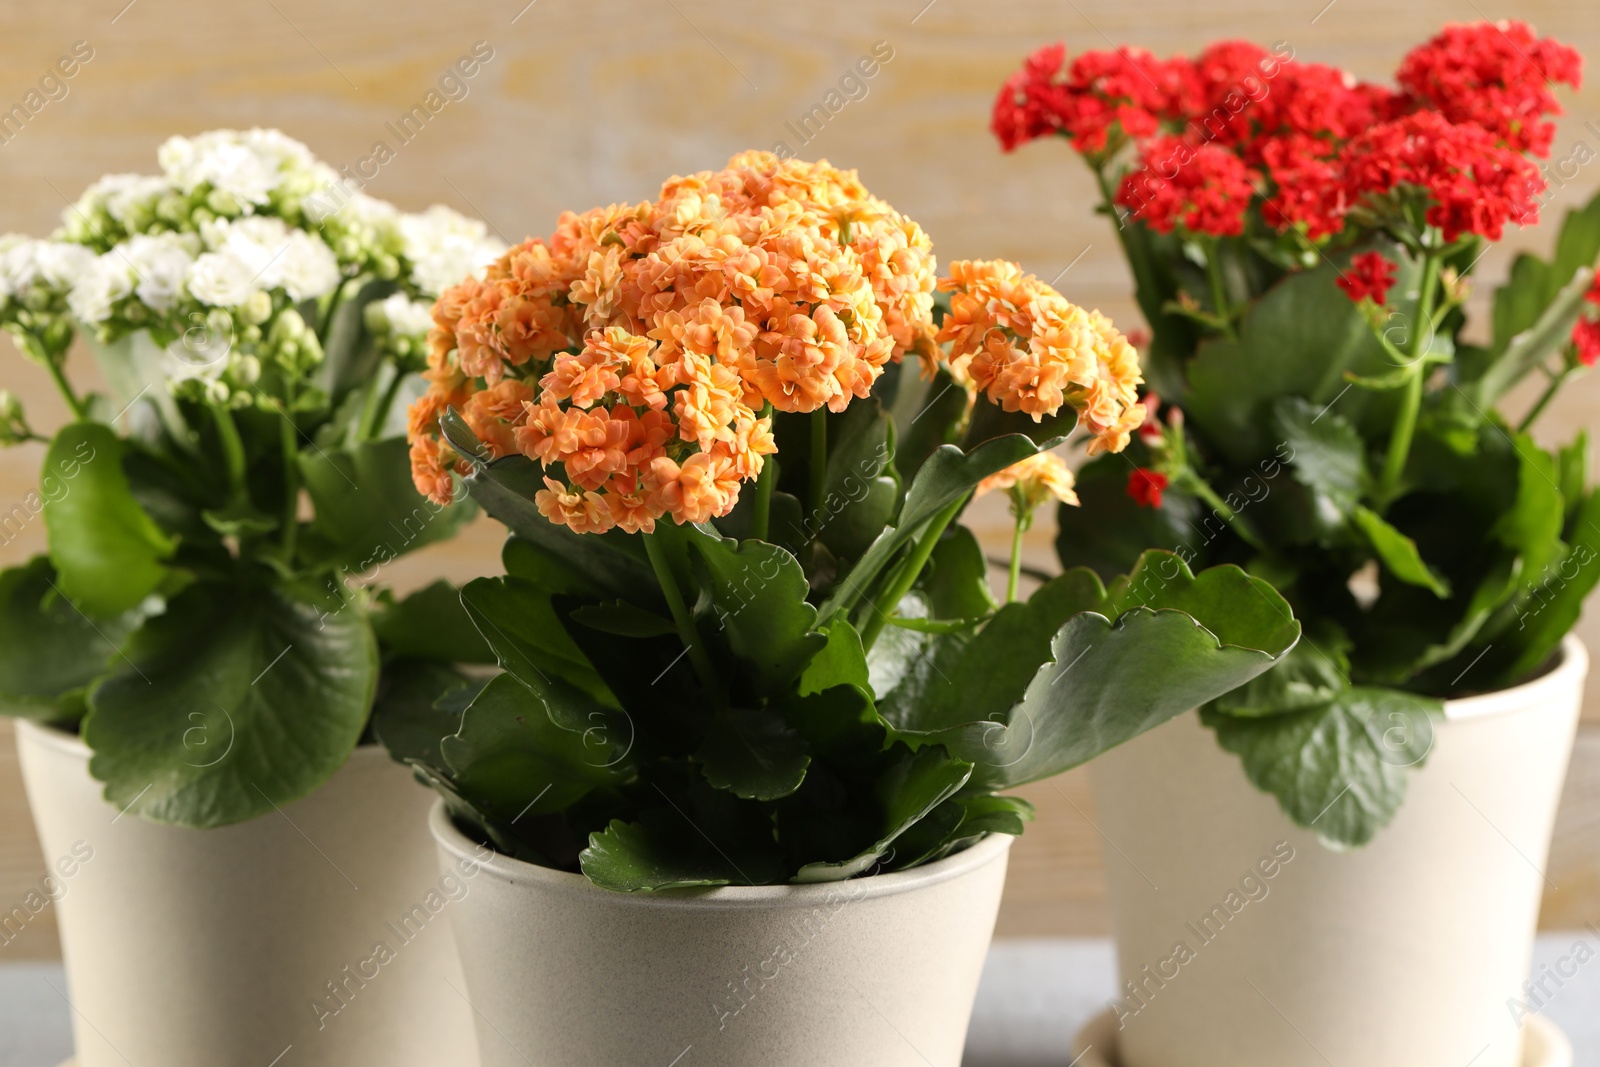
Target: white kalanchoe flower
{"type": "Point", "coordinates": [222, 279]}
{"type": "Point", "coordinates": [246, 166]}
{"type": "Point", "coordinates": [56, 265]}
{"type": "Point", "coordinates": [307, 269]}
{"type": "Point", "coordinates": [95, 291]}
{"type": "Point", "coordinates": [277, 257]}
{"type": "Point", "coordinates": [160, 263]}
{"type": "Point", "coordinates": [400, 315]}
{"type": "Point", "coordinates": [444, 246]}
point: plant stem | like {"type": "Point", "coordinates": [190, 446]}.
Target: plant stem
{"type": "Point", "coordinates": [1202, 489]}
{"type": "Point", "coordinates": [681, 619]}
{"type": "Point", "coordinates": [819, 461]}
{"type": "Point", "coordinates": [1394, 463]}
{"type": "Point", "coordinates": [327, 316]}
{"type": "Point", "coordinates": [906, 576]}
{"type": "Point", "coordinates": [1015, 573]}
{"type": "Point", "coordinates": [1549, 394]}
{"type": "Point", "coordinates": [291, 477]}
{"type": "Point", "coordinates": [374, 418]}
{"type": "Point", "coordinates": [1219, 290]}
{"type": "Point", "coordinates": [232, 449]}
{"type": "Point", "coordinates": [58, 375]}
{"type": "Point", "coordinates": [760, 522]}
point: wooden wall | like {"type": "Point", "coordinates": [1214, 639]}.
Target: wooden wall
{"type": "Point", "coordinates": [587, 103]}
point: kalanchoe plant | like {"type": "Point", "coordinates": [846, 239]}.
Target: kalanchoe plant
{"type": "Point", "coordinates": [806, 678]}
{"type": "Point", "coordinates": [1301, 244]}
{"type": "Point", "coordinates": [208, 611]}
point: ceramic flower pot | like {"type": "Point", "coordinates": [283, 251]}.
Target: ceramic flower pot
{"type": "Point", "coordinates": [1243, 942]}
{"type": "Point", "coordinates": [880, 970]}
{"type": "Point", "coordinates": [314, 936]}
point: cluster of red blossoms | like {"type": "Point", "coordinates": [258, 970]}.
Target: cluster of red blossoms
{"type": "Point", "coordinates": [1370, 274]}
{"type": "Point", "coordinates": [1239, 124]}
{"type": "Point", "coordinates": [1586, 334]}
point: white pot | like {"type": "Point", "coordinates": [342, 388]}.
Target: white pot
{"type": "Point", "coordinates": [1410, 952]}
{"type": "Point", "coordinates": [216, 948]}
{"type": "Point", "coordinates": [879, 970]}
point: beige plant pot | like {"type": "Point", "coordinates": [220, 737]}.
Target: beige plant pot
{"type": "Point", "coordinates": [257, 943]}
{"type": "Point", "coordinates": [1409, 952]}
{"type": "Point", "coordinates": [880, 970]}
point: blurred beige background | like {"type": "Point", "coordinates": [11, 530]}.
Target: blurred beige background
{"type": "Point", "coordinates": [593, 102]}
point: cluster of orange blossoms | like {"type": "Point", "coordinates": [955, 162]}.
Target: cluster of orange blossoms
{"type": "Point", "coordinates": [1027, 348]}
{"type": "Point", "coordinates": [637, 355]}
{"type": "Point", "coordinates": [1032, 482]}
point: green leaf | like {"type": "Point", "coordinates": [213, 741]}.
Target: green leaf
{"type": "Point", "coordinates": [349, 356]}
{"type": "Point", "coordinates": [956, 580]}
{"type": "Point", "coordinates": [231, 703]}
{"type": "Point", "coordinates": [841, 661]}
{"type": "Point", "coordinates": [1399, 553]}
{"type": "Point", "coordinates": [1534, 283]}
{"type": "Point", "coordinates": [1550, 615]}
{"type": "Point", "coordinates": [49, 650]}
{"type": "Point", "coordinates": [1309, 675]}
{"type": "Point", "coordinates": [667, 849]}
{"type": "Point", "coordinates": [623, 619]}
{"type": "Point", "coordinates": [916, 784]}
{"type": "Point", "coordinates": [1109, 531]}
{"type": "Point", "coordinates": [528, 750]}
{"type": "Point", "coordinates": [614, 562]}
{"type": "Point", "coordinates": [108, 553]}
{"type": "Point", "coordinates": [411, 715]}
{"type": "Point", "coordinates": [925, 418]}
{"type": "Point", "coordinates": [1339, 770]}
{"type": "Point", "coordinates": [1329, 456]}
{"type": "Point", "coordinates": [757, 592]}
{"type": "Point", "coordinates": [1190, 639]}
{"type": "Point", "coordinates": [1532, 346]}
{"type": "Point", "coordinates": [860, 487]}
{"type": "Point", "coordinates": [519, 623]}
{"type": "Point", "coordinates": [753, 753]}
{"type": "Point", "coordinates": [948, 475]}
{"type": "Point", "coordinates": [367, 510]}
{"type": "Point", "coordinates": [1300, 339]}
{"type": "Point", "coordinates": [431, 623]}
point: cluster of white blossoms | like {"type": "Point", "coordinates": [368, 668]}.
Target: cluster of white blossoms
{"type": "Point", "coordinates": [245, 223]}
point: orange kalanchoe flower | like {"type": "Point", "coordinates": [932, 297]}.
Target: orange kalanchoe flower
{"type": "Point", "coordinates": [1033, 481]}
{"type": "Point", "coordinates": [633, 353]}
{"type": "Point", "coordinates": [1027, 348]}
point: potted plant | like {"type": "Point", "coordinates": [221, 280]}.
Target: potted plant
{"type": "Point", "coordinates": [743, 774]}
{"type": "Point", "coordinates": [195, 661]}
{"type": "Point", "coordinates": [1302, 245]}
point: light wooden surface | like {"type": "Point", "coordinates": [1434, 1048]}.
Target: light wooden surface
{"type": "Point", "coordinates": [587, 103]}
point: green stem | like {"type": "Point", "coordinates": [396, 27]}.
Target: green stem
{"type": "Point", "coordinates": [1394, 463]}
{"type": "Point", "coordinates": [1201, 488]}
{"type": "Point", "coordinates": [327, 316]}
{"type": "Point", "coordinates": [760, 523]}
{"type": "Point", "coordinates": [1015, 573]}
{"type": "Point", "coordinates": [907, 575]}
{"type": "Point", "coordinates": [1219, 290]}
{"type": "Point", "coordinates": [1549, 394]}
{"type": "Point", "coordinates": [291, 477]}
{"type": "Point", "coordinates": [819, 462]}
{"type": "Point", "coordinates": [80, 410]}
{"type": "Point", "coordinates": [232, 449]}
{"type": "Point", "coordinates": [681, 619]}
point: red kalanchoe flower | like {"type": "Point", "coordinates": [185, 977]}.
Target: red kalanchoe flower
{"type": "Point", "coordinates": [1497, 75]}
{"type": "Point", "coordinates": [1370, 274]}
{"type": "Point", "coordinates": [1203, 188]}
{"type": "Point", "coordinates": [1102, 94]}
{"type": "Point", "coordinates": [1586, 335]}
{"type": "Point", "coordinates": [1476, 185]}
{"type": "Point", "coordinates": [1145, 486]}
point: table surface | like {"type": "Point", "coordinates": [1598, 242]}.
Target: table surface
{"type": "Point", "coordinates": [1035, 995]}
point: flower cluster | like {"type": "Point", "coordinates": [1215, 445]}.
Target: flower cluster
{"type": "Point", "coordinates": [1033, 482]}
{"type": "Point", "coordinates": [1371, 274]}
{"type": "Point", "coordinates": [1496, 76]}
{"type": "Point", "coordinates": [1026, 348]}
{"type": "Point", "coordinates": [1239, 126]}
{"type": "Point", "coordinates": [239, 229]}
{"type": "Point", "coordinates": [1586, 332]}
{"type": "Point", "coordinates": [635, 353]}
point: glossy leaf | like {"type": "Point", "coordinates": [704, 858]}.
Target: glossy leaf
{"type": "Point", "coordinates": [753, 753]}
{"type": "Point", "coordinates": [49, 650]}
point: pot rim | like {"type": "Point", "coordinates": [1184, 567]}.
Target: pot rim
{"type": "Point", "coordinates": [1569, 669]}
{"type": "Point", "coordinates": [991, 848]}
{"type": "Point", "coordinates": [72, 744]}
